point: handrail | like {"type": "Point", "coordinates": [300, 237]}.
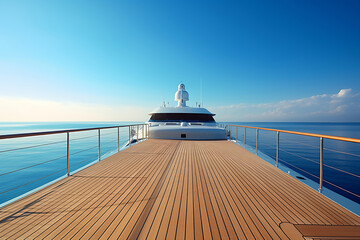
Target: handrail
{"type": "Point", "coordinates": [135, 130]}
{"type": "Point", "coordinates": [321, 148]}
{"type": "Point", "coordinates": [19, 135]}
{"type": "Point", "coordinates": [355, 140]}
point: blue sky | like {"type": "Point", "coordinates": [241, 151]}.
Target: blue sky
{"type": "Point", "coordinates": [82, 57]}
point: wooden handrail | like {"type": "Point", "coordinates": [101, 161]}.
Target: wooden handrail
{"type": "Point", "coordinates": [355, 140]}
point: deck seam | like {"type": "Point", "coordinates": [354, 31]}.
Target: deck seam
{"type": "Point", "coordinates": [137, 227]}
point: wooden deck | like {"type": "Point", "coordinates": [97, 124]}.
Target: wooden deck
{"type": "Point", "coordinates": [167, 189]}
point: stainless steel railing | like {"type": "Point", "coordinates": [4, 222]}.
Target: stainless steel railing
{"type": "Point", "coordinates": [321, 147]}
{"type": "Point", "coordinates": [136, 133]}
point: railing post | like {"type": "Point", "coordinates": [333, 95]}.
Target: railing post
{"type": "Point", "coordinates": [277, 148]}
{"type": "Point", "coordinates": [99, 145]}
{"type": "Point", "coordinates": [68, 153]}
{"type": "Point", "coordinates": [236, 134]}
{"type": "Point", "coordinates": [230, 132]}
{"type": "Point", "coordinates": [321, 164]}
{"type": "Point", "coordinates": [244, 135]}
{"type": "Point", "coordinates": [137, 132]}
{"type": "Point", "coordinates": [118, 139]}
{"type": "Point", "coordinates": [129, 135]}
{"type": "Point", "coordinates": [257, 140]}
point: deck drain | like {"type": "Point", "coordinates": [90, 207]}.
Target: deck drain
{"type": "Point", "coordinates": [299, 177]}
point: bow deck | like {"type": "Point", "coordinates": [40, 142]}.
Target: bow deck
{"type": "Point", "coordinates": [167, 189]}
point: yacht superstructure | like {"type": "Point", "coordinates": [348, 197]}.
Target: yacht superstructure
{"type": "Point", "coordinates": [184, 122]}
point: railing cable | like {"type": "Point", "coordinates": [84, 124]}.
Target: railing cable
{"type": "Point", "coordinates": [74, 139]}
{"type": "Point", "coordinates": [83, 161]}
{"type": "Point", "coordinates": [328, 149]}
{"type": "Point", "coordinates": [323, 180]}
{"type": "Point", "coordinates": [9, 190]}
{"type": "Point", "coordinates": [308, 159]}
{"type": "Point", "coordinates": [33, 146]}
{"type": "Point", "coordinates": [311, 160]}
{"type": "Point", "coordinates": [34, 165]}
{"type": "Point", "coordinates": [298, 168]}
{"type": "Point", "coordinates": [332, 184]}
{"type": "Point", "coordinates": [304, 144]}
{"type": "Point", "coordinates": [337, 151]}
{"type": "Point", "coordinates": [83, 150]}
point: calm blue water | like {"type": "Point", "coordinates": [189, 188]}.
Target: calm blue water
{"type": "Point", "coordinates": [47, 160]}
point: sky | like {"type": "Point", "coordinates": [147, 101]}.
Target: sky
{"type": "Point", "coordinates": [118, 60]}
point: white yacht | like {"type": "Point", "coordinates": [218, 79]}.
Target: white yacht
{"type": "Point", "coordinates": [183, 122]}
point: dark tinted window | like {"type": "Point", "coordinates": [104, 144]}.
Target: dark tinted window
{"type": "Point", "coordinates": [185, 117]}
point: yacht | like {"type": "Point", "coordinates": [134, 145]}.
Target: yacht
{"type": "Point", "coordinates": [184, 122]}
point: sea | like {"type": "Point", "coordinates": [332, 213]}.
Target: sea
{"type": "Point", "coordinates": [29, 163]}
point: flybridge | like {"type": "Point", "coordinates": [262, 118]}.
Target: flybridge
{"type": "Point", "coordinates": [181, 96]}
{"type": "Point", "coordinates": [181, 110]}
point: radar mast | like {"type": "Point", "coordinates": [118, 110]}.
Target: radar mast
{"type": "Point", "coordinates": [181, 96]}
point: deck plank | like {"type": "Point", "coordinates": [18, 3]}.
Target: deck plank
{"type": "Point", "coordinates": [170, 189]}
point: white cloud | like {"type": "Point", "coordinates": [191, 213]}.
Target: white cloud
{"type": "Point", "coordinates": [22, 109]}
{"type": "Point", "coordinates": [343, 106]}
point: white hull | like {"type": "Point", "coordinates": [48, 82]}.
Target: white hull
{"type": "Point", "coordinates": [187, 132]}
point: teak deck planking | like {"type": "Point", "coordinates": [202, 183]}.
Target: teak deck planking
{"type": "Point", "coordinates": [170, 189]}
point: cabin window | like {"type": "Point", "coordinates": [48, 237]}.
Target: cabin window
{"type": "Point", "coordinates": [181, 117]}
